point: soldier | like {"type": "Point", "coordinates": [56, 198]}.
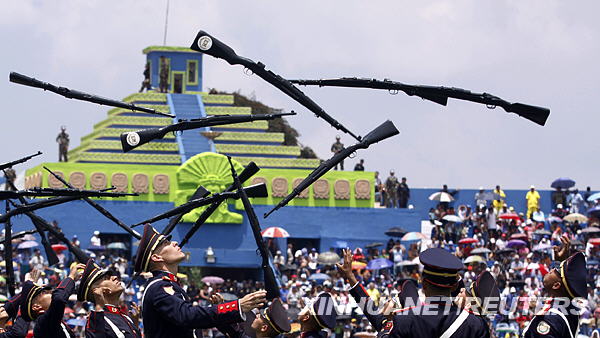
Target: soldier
{"type": "Point", "coordinates": [336, 148]}
{"type": "Point", "coordinates": [439, 316]}
{"type": "Point", "coordinates": [10, 310]}
{"type": "Point", "coordinates": [391, 189]}
{"type": "Point", "coordinates": [270, 322]}
{"type": "Point", "coordinates": [163, 75]}
{"type": "Point", "coordinates": [146, 82]}
{"type": "Point", "coordinates": [167, 311]}
{"type": "Point", "coordinates": [560, 316]}
{"type": "Point", "coordinates": [63, 144]}
{"type": "Point", "coordinates": [47, 308]}
{"type": "Point", "coordinates": [403, 193]}
{"type": "Point", "coordinates": [10, 175]}
{"type": "Point", "coordinates": [319, 315]}
{"type": "Point", "coordinates": [104, 288]}
{"type": "Point", "coordinates": [360, 166]}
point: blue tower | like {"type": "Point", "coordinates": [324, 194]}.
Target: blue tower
{"type": "Point", "coordinates": [185, 68]}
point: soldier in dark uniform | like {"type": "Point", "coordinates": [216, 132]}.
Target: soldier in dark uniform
{"type": "Point", "coordinates": [47, 308]}
{"type": "Point", "coordinates": [163, 75]}
{"type": "Point", "coordinates": [270, 322]}
{"type": "Point", "coordinates": [336, 148]}
{"type": "Point", "coordinates": [438, 316]}
{"type": "Point", "coordinates": [391, 189]}
{"type": "Point", "coordinates": [146, 82]}
{"type": "Point", "coordinates": [319, 315]}
{"type": "Point", "coordinates": [104, 288]}
{"type": "Point", "coordinates": [10, 310]}
{"type": "Point", "coordinates": [403, 193]}
{"type": "Point", "coordinates": [63, 144]}
{"type": "Point", "coordinates": [10, 175]}
{"type": "Point", "coordinates": [167, 310]}
{"type": "Point", "coordinates": [559, 317]}
{"type": "Point", "coordinates": [360, 166]}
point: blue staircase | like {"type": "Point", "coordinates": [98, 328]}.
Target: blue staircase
{"type": "Point", "coordinates": [191, 142]}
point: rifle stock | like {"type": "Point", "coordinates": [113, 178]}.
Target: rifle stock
{"type": "Point", "coordinates": [208, 44]}
{"type": "Point", "coordinates": [383, 131]}
{"type": "Point", "coordinates": [134, 139]}
{"type": "Point", "coordinates": [534, 114]}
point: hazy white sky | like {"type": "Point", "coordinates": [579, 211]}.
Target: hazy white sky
{"type": "Point", "coordinates": [537, 52]}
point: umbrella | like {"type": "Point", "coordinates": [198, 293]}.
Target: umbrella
{"type": "Point", "coordinates": [474, 259]}
{"type": "Point", "coordinates": [3, 298]}
{"type": "Point", "coordinates": [58, 248]}
{"type": "Point", "coordinates": [515, 242]}
{"type": "Point", "coordinates": [340, 245]}
{"type": "Point", "coordinates": [541, 247]}
{"type": "Point", "coordinates": [413, 236]}
{"type": "Point", "coordinates": [365, 334]}
{"type": "Point", "coordinates": [406, 263]}
{"type": "Point", "coordinates": [590, 230]}
{"type": "Point", "coordinates": [595, 211]}
{"type": "Point", "coordinates": [319, 277]}
{"type": "Point", "coordinates": [395, 232]}
{"type": "Point", "coordinates": [379, 263]}
{"type": "Point", "coordinates": [212, 280]}
{"type": "Point", "coordinates": [510, 216]}
{"type": "Point", "coordinates": [593, 262]}
{"type": "Point", "coordinates": [481, 251]}
{"type": "Point", "coordinates": [275, 232]}
{"type": "Point", "coordinates": [117, 246]}
{"type": "Point", "coordinates": [328, 258]}
{"type": "Point", "coordinates": [228, 297]}
{"type": "Point", "coordinates": [373, 245]}
{"type": "Point", "coordinates": [358, 265]}
{"type": "Point", "coordinates": [554, 219]}
{"type": "Point", "coordinates": [538, 216]}
{"type": "Point", "coordinates": [96, 248]}
{"type": "Point", "coordinates": [441, 196]}
{"type": "Point", "coordinates": [575, 217]}
{"type": "Point", "coordinates": [563, 183]}
{"type": "Point", "coordinates": [468, 241]}
{"type": "Point", "coordinates": [76, 322]}
{"type": "Point", "coordinates": [594, 197]}
{"type": "Point", "coordinates": [452, 218]}
{"type": "Point", "coordinates": [542, 232]}
{"type": "Point", "coordinates": [576, 242]}
{"type": "Point", "coordinates": [505, 251]}
{"type": "Point", "coordinates": [594, 241]}
{"type": "Point", "coordinates": [519, 236]}
{"type": "Point", "coordinates": [27, 245]}
{"type": "Point", "coordinates": [532, 266]}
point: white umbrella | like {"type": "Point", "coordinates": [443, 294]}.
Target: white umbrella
{"type": "Point", "coordinates": [441, 196]}
{"type": "Point", "coordinates": [452, 218]}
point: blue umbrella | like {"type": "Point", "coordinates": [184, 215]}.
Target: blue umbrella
{"type": "Point", "coordinates": [76, 322]}
{"type": "Point", "coordinates": [595, 211]}
{"type": "Point", "coordinates": [594, 197]}
{"type": "Point", "coordinates": [379, 263]}
{"type": "Point", "coordinates": [319, 277]}
{"type": "Point", "coordinates": [27, 245]}
{"type": "Point", "coordinates": [340, 245]}
{"type": "Point", "coordinates": [563, 183]}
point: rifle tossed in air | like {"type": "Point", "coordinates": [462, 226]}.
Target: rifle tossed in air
{"type": "Point", "coordinates": [21, 209]}
{"type": "Point", "coordinates": [98, 207]}
{"type": "Point", "coordinates": [44, 192]}
{"type": "Point", "coordinates": [21, 160]}
{"type": "Point", "coordinates": [74, 94]}
{"type": "Point", "coordinates": [245, 175]}
{"type": "Point", "coordinates": [385, 130]}
{"type": "Point", "coordinates": [134, 139]}
{"type": "Point", "coordinates": [256, 190]}
{"type": "Point", "coordinates": [207, 44]}
{"type": "Point", "coordinates": [271, 285]}
{"type": "Point", "coordinates": [438, 95]}
{"type": "Point", "coordinates": [199, 193]}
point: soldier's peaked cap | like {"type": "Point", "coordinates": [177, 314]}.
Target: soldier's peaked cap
{"type": "Point", "coordinates": [440, 267]}
{"type": "Point", "coordinates": [409, 295]}
{"type": "Point", "coordinates": [148, 243]}
{"type": "Point", "coordinates": [573, 273]}
{"type": "Point", "coordinates": [91, 274]}
{"type": "Point", "coordinates": [485, 290]}
{"type": "Point", "coordinates": [29, 291]}
{"type": "Point", "coordinates": [323, 310]}
{"type": "Point", "coordinates": [276, 316]}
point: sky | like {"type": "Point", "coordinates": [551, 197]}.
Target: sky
{"type": "Point", "coordinates": [542, 53]}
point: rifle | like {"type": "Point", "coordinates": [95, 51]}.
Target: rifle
{"type": "Point", "coordinates": [50, 254]}
{"type": "Point", "coordinates": [385, 130]}
{"type": "Point", "coordinates": [98, 207]}
{"type": "Point", "coordinates": [41, 192]}
{"type": "Point", "coordinates": [37, 220]}
{"type": "Point", "coordinates": [10, 271]}
{"type": "Point", "coordinates": [270, 283]}
{"type": "Point", "coordinates": [245, 175]}
{"type": "Point", "coordinates": [74, 94]}
{"type": "Point", "coordinates": [21, 160]}
{"type": "Point", "coordinates": [257, 190]}
{"type": "Point", "coordinates": [199, 193]}
{"type": "Point", "coordinates": [207, 44]}
{"type": "Point", "coordinates": [438, 95]}
{"type": "Point", "coordinates": [134, 139]}
{"type": "Point", "coordinates": [21, 209]}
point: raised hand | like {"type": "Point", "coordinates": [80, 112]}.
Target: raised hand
{"type": "Point", "coordinates": [216, 298]}
{"type": "Point", "coordinates": [135, 313]}
{"type": "Point", "coordinates": [253, 301]}
{"type": "Point", "coordinates": [563, 252]}
{"type": "Point", "coordinates": [34, 275]}
{"type": "Point", "coordinates": [77, 271]}
{"type": "Point", "coordinates": [345, 268]}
